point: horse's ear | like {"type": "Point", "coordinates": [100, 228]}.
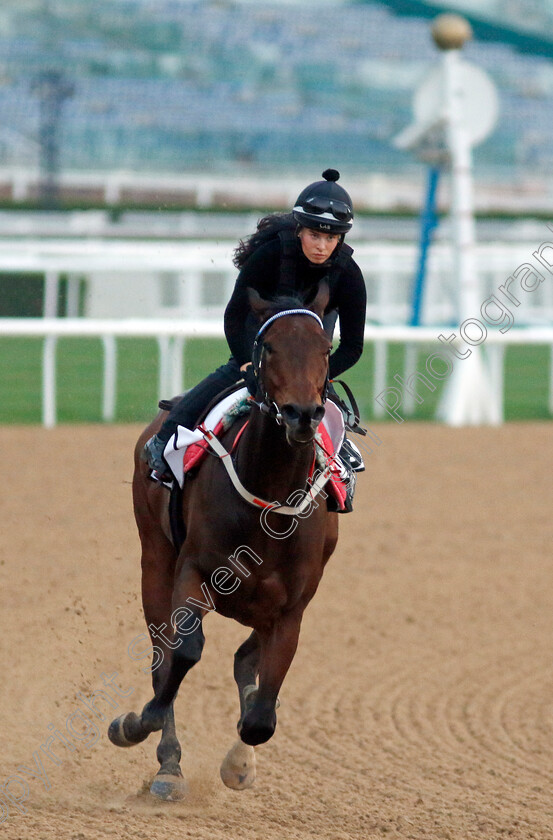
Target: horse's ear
{"type": "Point", "coordinates": [258, 306]}
{"type": "Point", "coordinates": [320, 301]}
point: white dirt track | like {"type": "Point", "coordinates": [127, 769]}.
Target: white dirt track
{"type": "Point", "coordinates": [419, 704]}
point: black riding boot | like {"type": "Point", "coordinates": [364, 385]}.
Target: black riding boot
{"type": "Point", "coordinates": [186, 413]}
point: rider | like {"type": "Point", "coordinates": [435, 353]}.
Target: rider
{"type": "Point", "coordinates": [288, 254]}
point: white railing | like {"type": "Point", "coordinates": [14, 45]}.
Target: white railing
{"type": "Point", "coordinates": [132, 279]}
{"type": "Point", "coordinates": [182, 287]}
{"type": "Point", "coordinates": [171, 337]}
{"type": "Point", "coordinates": [369, 190]}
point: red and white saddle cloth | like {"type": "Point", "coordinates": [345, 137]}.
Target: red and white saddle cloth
{"type": "Point", "coordinates": [187, 447]}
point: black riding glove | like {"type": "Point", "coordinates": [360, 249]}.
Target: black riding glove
{"type": "Point", "coordinates": [250, 379]}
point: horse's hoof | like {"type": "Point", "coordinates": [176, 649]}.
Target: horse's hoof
{"type": "Point", "coordinates": [116, 733]}
{"type": "Point", "coordinates": [168, 787]}
{"type": "Point", "coordinates": [238, 767]}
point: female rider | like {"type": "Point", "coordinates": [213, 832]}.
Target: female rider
{"type": "Point", "coordinates": [288, 255]}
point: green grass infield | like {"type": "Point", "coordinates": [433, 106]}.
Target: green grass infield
{"type": "Point", "coordinates": [79, 379]}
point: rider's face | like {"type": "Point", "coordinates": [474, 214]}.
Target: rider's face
{"type": "Point", "coordinates": [316, 245]}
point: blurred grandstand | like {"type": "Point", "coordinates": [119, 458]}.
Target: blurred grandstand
{"type": "Point", "coordinates": [172, 88]}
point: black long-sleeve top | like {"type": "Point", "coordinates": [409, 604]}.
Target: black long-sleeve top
{"type": "Point", "coordinates": [261, 272]}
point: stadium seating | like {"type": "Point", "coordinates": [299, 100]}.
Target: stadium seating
{"type": "Point", "coordinates": [181, 85]}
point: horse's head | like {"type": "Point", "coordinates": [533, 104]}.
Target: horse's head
{"type": "Point", "coordinates": [290, 359]}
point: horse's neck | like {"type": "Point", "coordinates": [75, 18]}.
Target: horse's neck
{"type": "Point", "coordinates": [266, 464]}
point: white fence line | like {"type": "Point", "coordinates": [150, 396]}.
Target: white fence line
{"type": "Point", "coordinates": [171, 337]}
{"type": "Point", "coordinates": [127, 278]}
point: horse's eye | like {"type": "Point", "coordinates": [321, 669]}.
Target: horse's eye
{"type": "Point", "coordinates": [267, 347]}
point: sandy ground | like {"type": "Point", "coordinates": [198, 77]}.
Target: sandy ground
{"type": "Point", "coordinates": [420, 702]}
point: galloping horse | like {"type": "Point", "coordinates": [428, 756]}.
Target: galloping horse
{"type": "Point", "coordinates": [276, 564]}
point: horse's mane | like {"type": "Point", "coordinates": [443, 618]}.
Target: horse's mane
{"type": "Point", "coordinates": [283, 302]}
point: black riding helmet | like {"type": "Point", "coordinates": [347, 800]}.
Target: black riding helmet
{"type": "Point", "coordinates": [325, 205]}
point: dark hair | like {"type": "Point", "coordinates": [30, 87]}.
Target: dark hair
{"type": "Point", "coordinates": [267, 229]}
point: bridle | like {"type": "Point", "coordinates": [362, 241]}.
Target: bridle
{"type": "Point", "coordinates": [269, 407]}
{"type": "Point", "coordinates": [266, 405]}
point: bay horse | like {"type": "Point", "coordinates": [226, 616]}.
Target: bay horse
{"type": "Point", "coordinates": [276, 562]}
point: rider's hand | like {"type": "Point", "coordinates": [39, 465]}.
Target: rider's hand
{"type": "Point", "coordinates": [249, 378]}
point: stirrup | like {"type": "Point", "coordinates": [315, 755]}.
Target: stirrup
{"type": "Point", "coordinates": [350, 454]}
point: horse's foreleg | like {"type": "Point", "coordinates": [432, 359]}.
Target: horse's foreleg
{"type": "Point", "coordinates": [238, 767]}
{"type": "Point", "coordinates": [278, 647]}
{"type": "Point", "coordinates": [246, 668]}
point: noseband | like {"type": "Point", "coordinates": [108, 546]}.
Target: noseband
{"type": "Point", "coordinates": [268, 406]}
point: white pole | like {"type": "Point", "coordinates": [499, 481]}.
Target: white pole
{"type": "Point", "coordinates": [110, 378]}
{"type": "Point", "coordinates": [50, 303]}
{"type": "Point", "coordinates": [462, 199]}
{"type": "Point", "coordinates": [380, 367]}
{"type": "Point", "coordinates": [177, 367]}
{"type": "Point", "coordinates": [73, 286]}
{"type": "Point", "coordinates": [446, 102]}
{"type": "Point", "coordinates": [469, 397]}
{"type": "Point", "coordinates": [164, 366]}
{"type": "Point", "coordinates": [49, 381]}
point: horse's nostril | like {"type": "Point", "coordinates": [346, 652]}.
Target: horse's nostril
{"type": "Point", "coordinates": [319, 413]}
{"type": "Point", "coordinates": [302, 415]}
{"type": "Point", "coordinates": [291, 413]}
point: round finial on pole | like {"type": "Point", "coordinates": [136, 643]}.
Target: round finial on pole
{"type": "Point", "coordinates": [450, 31]}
